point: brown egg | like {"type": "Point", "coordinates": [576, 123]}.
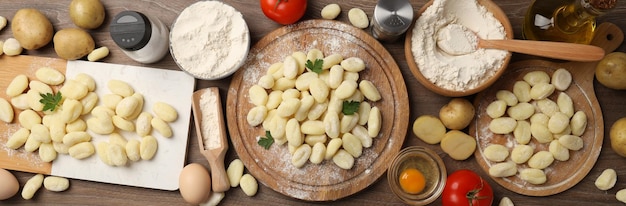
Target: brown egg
{"type": "Point", "coordinates": [194, 183]}
{"type": "Point", "coordinates": [9, 185]}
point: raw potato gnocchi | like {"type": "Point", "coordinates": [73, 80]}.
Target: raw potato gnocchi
{"type": "Point", "coordinates": [545, 114]}
{"type": "Point", "coordinates": [31, 186]}
{"type": "Point", "coordinates": [606, 180]}
{"type": "Point", "coordinates": [304, 108]}
{"type": "Point", "coordinates": [235, 172]}
{"type": "Point", "coordinates": [56, 184]}
{"type": "Point", "coordinates": [358, 18]}
{"type": "Point", "coordinates": [330, 11]}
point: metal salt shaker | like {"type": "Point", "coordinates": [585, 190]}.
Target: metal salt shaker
{"type": "Point", "coordinates": [391, 19]}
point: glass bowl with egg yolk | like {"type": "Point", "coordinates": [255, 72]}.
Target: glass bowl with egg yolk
{"type": "Point", "coordinates": [417, 175]}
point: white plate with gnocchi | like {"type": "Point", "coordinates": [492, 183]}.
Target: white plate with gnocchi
{"type": "Point", "coordinates": [540, 128]}
{"type": "Point", "coordinates": [306, 161]}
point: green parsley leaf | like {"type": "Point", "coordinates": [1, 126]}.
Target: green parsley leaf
{"type": "Point", "coordinates": [266, 141]}
{"type": "Point", "coordinates": [350, 107]}
{"type": "Point", "coordinates": [315, 66]}
{"type": "Point", "coordinates": [50, 101]}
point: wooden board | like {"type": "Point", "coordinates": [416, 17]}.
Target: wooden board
{"type": "Point", "coordinates": [174, 88]}
{"type": "Point", "coordinates": [561, 175]}
{"type": "Point", "coordinates": [325, 181]}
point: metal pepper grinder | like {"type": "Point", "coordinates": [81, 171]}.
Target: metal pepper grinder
{"type": "Point", "coordinates": [391, 19]}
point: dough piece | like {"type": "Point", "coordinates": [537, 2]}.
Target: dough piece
{"type": "Point", "coordinates": [507, 96]}
{"type": "Point", "coordinates": [503, 169]}
{"type": "Point", "coordinates": [558, 151]}
{"type": "Point", "coordinates": [522, 132]}
{"type": "Point", "coordinates": [521, 153]}
{"type": "Point", "coordinates": [541, 160]}
{"type": "Point", "coordinates": [561, 79]}
{"type": "Point", "coordinates": [496, 109]}
{"type": "Point", "coordinates": [606, 180]}
{"type": "Point", "coordinates": [31, 186]}
{"type": "Point", "coordinates": [521, 111]}
{"type": "Point", "coordinates": [521, 89]}
{"type": "Point", "coordinates": [235, 172]}
{"type": "Point", "coordinates": [331, 11]}
{"type": "Point", "coordinates": [249, 185]}
{"type": "Point", "coordinates": [533, 176]}
{"type": "Point", "coordinates": [506, 201]}
{"type": "Point", "coordinates": [535, 77]}
{"type": "Point", "coordinates": [496, 152]}
{"type": "Point", "coordinates": [502, 125]}
{"type": "Point", "coordinates": [6, 111]}
{"type": "Point", "coordinates": [458, 145]}
{"type": "Point", "coordinates": [541, 91]}
{"type": "Point", "coordinates": [571, 142]}
{"type": "Point", "coordinates": [358, 18]}
{"type": "Point", "coordinates": [578, 123]}
{"type": "Point", "coordinates": [621, 195]}
{"type": "Point", "coordinates": [56, 184]}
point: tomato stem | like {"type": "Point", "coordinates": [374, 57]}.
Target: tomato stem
{"type": "Point", "coordinates": [472, 194]}
{"type": "Point", "coordinates": [277, 3]}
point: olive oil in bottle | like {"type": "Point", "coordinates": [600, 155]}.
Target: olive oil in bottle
{"type": "Point", "coordinates": [571, 21]}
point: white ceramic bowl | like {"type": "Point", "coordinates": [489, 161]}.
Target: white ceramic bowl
{"type": "Point", "coordinates": [209, 40]}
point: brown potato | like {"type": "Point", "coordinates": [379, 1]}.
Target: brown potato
{"type": "Point", "coordinates": [618, 137]}
{"type": "Point", "coordinates": [73, 43]}
{"type": "Point", "coordinates": [87, 14]}
{"type": "Point", "coordinates": [611, 71]}
{"type": "Point", "coordinates": [31, 28]}
{"type": "Point", "coordinates": [457, 114]}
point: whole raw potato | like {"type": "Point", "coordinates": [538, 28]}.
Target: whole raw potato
{"type": "Point", "coordinates": [618, 137]}
{"type": "Point", "coordinates": [73, 43]}
{"type": "Point", "coordinates": [31, 28]}
{"type": "Point", "coordinates": [87, 14]}
{"type": "Point", "coordinates": [457, 114]}
{"type": "Point", "coordinates": [611, 70]}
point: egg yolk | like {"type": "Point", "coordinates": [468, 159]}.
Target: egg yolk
{"type": "Point", "coordinates": [412, 181]}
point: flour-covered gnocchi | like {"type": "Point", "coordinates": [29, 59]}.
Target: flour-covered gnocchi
{"type": "Point", "coordinates": [301, 100]}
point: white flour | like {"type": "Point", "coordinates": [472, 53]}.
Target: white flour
{"type": "Point", "coordinates": [210, 124]}
{"type": "Point", "coordinates": [210, 40]}
{"type": "Point", "coordinates": [456, 39]}
{"type": "Point", "coordinates": [463, 72]}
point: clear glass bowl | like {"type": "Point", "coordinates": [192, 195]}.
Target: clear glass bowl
{"type": "Point", "coordinates": [426, 161]}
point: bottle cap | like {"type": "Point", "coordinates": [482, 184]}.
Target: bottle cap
{"type": "Point", "coordinates": [130, 30]}
{"type": "Point", "coordinates": [391, 18]}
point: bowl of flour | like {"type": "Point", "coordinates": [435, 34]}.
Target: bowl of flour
{"type": "Point", "coordinates": [457, 75]}
{"type": "Point", "coordinates": [209, 40]}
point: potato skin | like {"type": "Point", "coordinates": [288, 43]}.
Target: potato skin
{"type": "Point", "coordinates": [611, 71]}
{"type": "Point", "coordinates": [73, 43]}
{"type": "Point", "coordinates": [457, 114]}
{"type": "Point", "coordinates": [87, 14]}
{"type": "Point", "coordinates": [31, 28]}
{"type": "Point", "coordinates": [618, 137]}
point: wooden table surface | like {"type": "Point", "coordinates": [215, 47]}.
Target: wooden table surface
{"type": "Point", "coordinates": [421, 100]}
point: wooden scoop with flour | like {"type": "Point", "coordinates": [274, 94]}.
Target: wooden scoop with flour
{"type": "Point", "coordinates": [456, 39]}
{"type": "Point", "coordinates": [211, 132]}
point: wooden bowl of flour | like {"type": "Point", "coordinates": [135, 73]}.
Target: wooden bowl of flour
{"type": "Point", "coordinates": [443, 87]}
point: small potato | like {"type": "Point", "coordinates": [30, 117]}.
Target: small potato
{"type": "Point", "coordinates": [87, 14]}
{"type": "Point", "coordinates": [457, 114]}
{"type": "Point", "coordinates": [73, 43]}
{"type": "Point", "coordinates": [31, 28]}
{"type": "Point", "coordinates": [458, 145]}
{"type": "Point", "coordinates": [331, 11]}
{"type": "Point", "coordinates": [429, 129]}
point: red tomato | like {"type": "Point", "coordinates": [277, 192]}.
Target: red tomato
{"type": "Point", "coordinates": [464, 187]}
{"type": "Point", "coordinates": [284, 11]}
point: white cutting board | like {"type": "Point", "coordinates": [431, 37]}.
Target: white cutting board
{"type": "Point", "coordinates": [170, 86]}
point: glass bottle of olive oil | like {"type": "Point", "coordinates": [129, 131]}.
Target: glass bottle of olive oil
{"type": "Point", "coordinates": [564, 20]}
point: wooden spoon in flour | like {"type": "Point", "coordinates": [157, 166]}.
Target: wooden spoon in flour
{"type": "Point", "coordinates": [456, 39]}
{"type": "Point", "coordinates": [211, 132]}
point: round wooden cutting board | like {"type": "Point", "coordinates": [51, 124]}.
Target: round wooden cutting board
{"type": "Point", "coordinates": [324, 181]}
{"type": "Point", "coordinates": [561, 175]}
